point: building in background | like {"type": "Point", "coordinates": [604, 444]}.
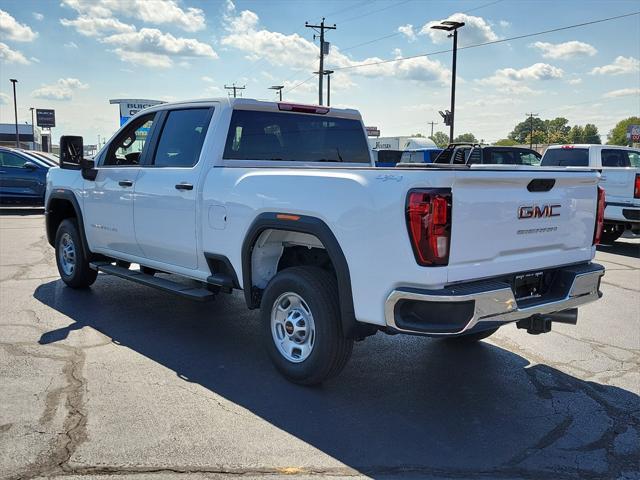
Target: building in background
{"type": "Point", "coordinates": [26, 134]}
{"type": "Point", "coordinates": [129, 107]}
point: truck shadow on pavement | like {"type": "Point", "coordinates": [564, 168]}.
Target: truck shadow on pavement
{"type": "Point", "coordinates": [626, 249]}
{"type": "Point", "coordinates": [402, 405]}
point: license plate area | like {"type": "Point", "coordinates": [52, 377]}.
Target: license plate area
{"type": "Point", "coordinates": [527, 286]}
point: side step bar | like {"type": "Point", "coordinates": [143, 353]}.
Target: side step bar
{"type": "Point", "coordinates": [194, 293]}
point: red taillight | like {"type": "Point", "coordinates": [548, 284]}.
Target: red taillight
{"type": "Point", "coordinates": [567, 147]}
{"type": "Point", "coordinates": [599, 217]}
{"type": "Point", "coordinates": [636, 189]}
{"type": "Point", "coordinates": [429, 225]}
{"type": "Point", "coordinates": [294, 107]}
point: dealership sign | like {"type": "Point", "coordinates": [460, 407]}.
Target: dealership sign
{"type": "Point", "coordinates": [633, 133]}
{"type": "Point", "coordinates": [373, 131]}
{"type": "Point", "coordinates": [45, 118]}
{"type": "Point", "coordinates": [129, 107]}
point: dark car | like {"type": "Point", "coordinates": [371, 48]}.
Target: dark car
{"type": "Point", "coordinates": [470, 153]}
{"type": "Point", "coordinates": [22, 177]}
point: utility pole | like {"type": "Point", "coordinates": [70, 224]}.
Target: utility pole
{"type": "Point", "coordinates": [451, 26]}
{"type": "Point", "coordinates": [531, 115]}
{"type": "Point", "coordinates": [234, 88]}
{"type": "Point", "coordinates": [279, 89]}
{"type": "Point", "coordinates": [432, 124]}
{"type": "Point", "coordinates": [322, 28]}
{"type": "Point", "coordinates": [33, 130]}
{"type": "Point", "coordinates": [15, 110]}
{"type": "Point", "coordinates": [328, 74]}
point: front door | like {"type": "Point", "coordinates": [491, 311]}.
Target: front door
{"type": "Point", "coordinates": [166, 190]}
{"type": "Point", "coordinates": [20, 178]}
{"type": "Point", "coordinates": [108, 200]}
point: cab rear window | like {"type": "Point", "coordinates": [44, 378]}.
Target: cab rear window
{"type": "Point", "coordinates": [566, 157]}
{"type": "Point", "coordinates": [292, 137]}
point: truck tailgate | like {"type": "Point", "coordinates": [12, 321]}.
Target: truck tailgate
{"type": "Point", "coordinates": [509, 221]}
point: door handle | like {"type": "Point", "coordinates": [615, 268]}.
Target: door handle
{"type": "Point", "coordinates": [125, 183]}
{"type": "Point", "coordinates": [184, 186]}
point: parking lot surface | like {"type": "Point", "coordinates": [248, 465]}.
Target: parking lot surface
{"type": "Point", "coordinates": [121, 380]}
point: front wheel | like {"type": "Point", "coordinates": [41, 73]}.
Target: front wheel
{"type": "Point", "coordinates": [71, 259]}
{"type": "Point", "coordinates": [300, 315]}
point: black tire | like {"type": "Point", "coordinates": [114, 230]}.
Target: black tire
{"type": "Point", "coordinates": [611, 233]}
{"type": "Point", "coordinates": [471, 337]}
{"type": "Point", "coordinates": [81, 275]}
{"type": "Point", "coordinates": [330, 349]}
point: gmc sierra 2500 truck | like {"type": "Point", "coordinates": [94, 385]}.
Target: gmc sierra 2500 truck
{"type": "Point", "coordinates": [283, 202]}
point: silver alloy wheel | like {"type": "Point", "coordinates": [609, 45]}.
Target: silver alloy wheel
{"type": "Point", "coordinates": [292, 327]}
{"type": "Point", "coordinates": [67, 254]}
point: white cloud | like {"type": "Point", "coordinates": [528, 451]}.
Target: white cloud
{"type": "Point", "coordinates": [34, 59]}
{"type": "Point", "coordinates": [11, 29]}
{"type": "Point", "coordinates": [513, 81]}
{"type": "Point", "coordinates": [566, 50]}
{"type": "Point", "coordinates": [476, 30]}
{"type": "Point", "coordinates": [159, 46]}
{"type": "Point", "coordinates": [407, 31]}
{"type": "Point", "coordinates": [575, 81]}
{"type": "Point", "coordinates": [95, 26]}
{"type": "Point", "coordinates": [504, 24]}
{"type": "Point", "coordinates": [38, 16]}
{"type": "Point", "coordinates": [624, 92]}
{"type": "Point", "coordinates": [12, 56]}
{"type": "Point", "coordinates": [149, 11]}
{"type": "Point", "coordinates": [294, 51]}
{"type": "Point", "coordinates": [620, 65]}
{"type": "Point", "coordinates": [70, 45]}
{"type": "Point", "coordinates": [206, 79]}
{"type": "Point", "coordinates": [61, 90]}
{"type": "Point", "coordinates": [4, 99]}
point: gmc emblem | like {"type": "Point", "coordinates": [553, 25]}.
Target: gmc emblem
{"type": "Point", "coordinates": [534, 211]}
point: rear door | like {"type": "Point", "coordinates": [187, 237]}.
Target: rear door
{"type": "Point", "coordinates": [166, 191]}
{"type": "Point", "coordinates": [519, 219]}
{"type": "Point", "coordinates": [618, 175]}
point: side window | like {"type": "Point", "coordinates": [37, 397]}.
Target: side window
{"type": "Point", "coordinates": [615, 158]}
{"type": "Point", "coordinates": [11, 160]}
{"type": "Point", "coordinates": [182, 138]}
{"type": "Point", "coordinates": [127, 147]}
{"type": "Point", "coordinates": [634, 158]}
{"type": "Point", "coordinates": [529, 159]}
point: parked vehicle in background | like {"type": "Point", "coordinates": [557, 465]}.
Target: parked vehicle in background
{"type": "Point", "coordinates": [50, 158]}
{"type": "Point", "coordinates": [22, 177]}
{"type": "Point", "coordinates": [280, 201]}
{"type": "Point", "coordinates": [620, 178]}
{"type": "Point", "coordinates": [389, 151]}
{"type": "Point", "coordinates": [474, 153]}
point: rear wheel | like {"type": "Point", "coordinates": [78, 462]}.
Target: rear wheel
{"type": "Point", "coordinates": [71, 259]}
{"type": "Point", "coordinates": [471, 337]}
{"type": "Point", "coordinates": [301, 325]}
{"type": "Point", "coordinates": [611, 233]}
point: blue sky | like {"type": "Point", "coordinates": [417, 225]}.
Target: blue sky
{"type": "Point", "coordinates": [74, 55]}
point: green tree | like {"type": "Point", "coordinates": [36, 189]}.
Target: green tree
{"type": "Point", "coordinates": [576, 134]}
{"type": "Point", "coordinates": [417, 135]}
{"type": "Point", "coordinates": [618, 136]}
{"type": "Point", "coordinates": [591, 134]}
{"type": "Point", "coordinates": [440, 139]}
{"type": "Point", "coordinates": [522, 130]}
{"type": "Point", "coordinates": [465, 138]}
{"type": "Point", "coordinates": [557, 130]}
{"type": "Point", "coordinates": [506, 142]}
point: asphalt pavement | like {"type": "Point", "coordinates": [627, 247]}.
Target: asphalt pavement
{"type": "Point", "coordinates": [123, 380]}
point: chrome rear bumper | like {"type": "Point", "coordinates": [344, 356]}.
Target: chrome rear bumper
{"type": "Point", "coordinates": [463, 307]}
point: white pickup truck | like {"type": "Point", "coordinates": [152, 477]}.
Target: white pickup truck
{"type": "Point", "coordinates": [282, 202]}
{"type": "Point", "coordinates": [620, 178]}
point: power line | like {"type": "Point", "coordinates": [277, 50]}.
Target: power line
{"type": "Point", "coordinates": [234, 88]}
{"type": "Point", "coordinates": [493, 42]}
{"type": "Point", "coordinates": [394, 5]}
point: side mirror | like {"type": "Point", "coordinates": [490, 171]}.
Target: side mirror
{"type": "Point", "coordinates": [71, 149]}
{"type": "Point", "coordinates": [30, 166]}
{"type": "Point", "coordinates": [89, 172]}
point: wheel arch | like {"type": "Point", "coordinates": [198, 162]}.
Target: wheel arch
{"type": "Point", "coordinates": [63, 204]}
{"type": "Point", "coordinates": [309, 225]}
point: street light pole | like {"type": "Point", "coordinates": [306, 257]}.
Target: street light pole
{"type": "Point", "coordinates": [15, 110]}
{"type": "Point", "coordinates": [278, 88]}
{"type": "Point", "coordinates": [450, 26]}
{"type": "Point", "coordinates": [33, 130]}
